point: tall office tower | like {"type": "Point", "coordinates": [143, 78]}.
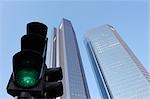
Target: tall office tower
{"type": "Point", "coordinates": [53, 48]}
{"type": "Point", "coordinates": [119, 74]}
{"type": "Point", "coordinates": [68, 57]}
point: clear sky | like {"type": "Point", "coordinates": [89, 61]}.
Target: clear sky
{"type": "Point", "coordinates": [130, 18]}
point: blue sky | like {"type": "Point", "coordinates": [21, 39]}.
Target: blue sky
{"type": "Point", "coordinates": [130, 18]}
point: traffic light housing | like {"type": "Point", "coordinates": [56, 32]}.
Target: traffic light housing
{"type": "Point", "coordinates": [29, 67]}
{"type": "Point", "coordinates": [54, 87]}
{"type": "Point", "coordinates": [28, 64]}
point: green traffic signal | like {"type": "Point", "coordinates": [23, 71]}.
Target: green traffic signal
{"type": "Point", "coordinates": [27, 68]}
{"type": "Point", "coordinates": [27, 78]}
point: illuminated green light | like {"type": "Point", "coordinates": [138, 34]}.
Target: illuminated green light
{"type": "Point", "coordinates": [27, 77]}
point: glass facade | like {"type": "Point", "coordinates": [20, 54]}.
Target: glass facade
{"type": "Point", "coordinates": [68, 57]}
{"type": "Point", "coordinates": [117, 69]}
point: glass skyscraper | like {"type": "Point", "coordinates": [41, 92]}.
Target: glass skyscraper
{"type": "Point", "coordinates": [65, 53]}
{"type": "Point", "coordinates": [118, 72]}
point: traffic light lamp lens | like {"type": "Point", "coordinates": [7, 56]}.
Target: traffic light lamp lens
{"type": "Point", "coordinates": [27, 78]}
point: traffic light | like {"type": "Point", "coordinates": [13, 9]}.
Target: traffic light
{"type": "Point", "coordinates": [28, 64]}
{"type": "Point", "coordinates": [30, 72]}
{"type": "Point", "coordinates": [54, 87]}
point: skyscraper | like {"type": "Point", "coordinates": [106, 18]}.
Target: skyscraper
{"type": "Point", "coordinates": [119, 74]}
{"type": "Point", "coordinates": [67, 56]}
{"type": "Point", "coordinates": [53, 48]}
